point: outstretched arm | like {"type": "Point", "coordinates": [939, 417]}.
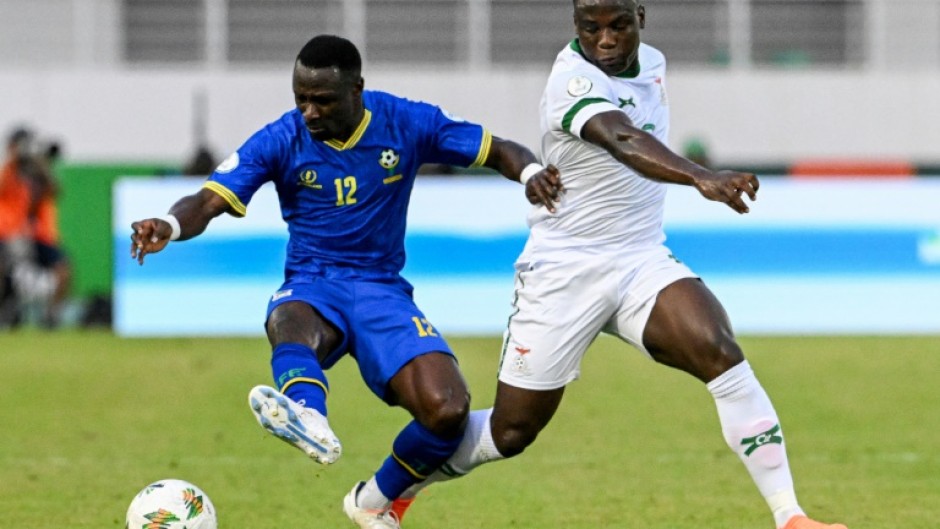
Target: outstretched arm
{"type": "Point", "coordinates": [193, 213]}
{"type": "Point", "coordinates": [517, 163]}
{"type": "Point", "coordinates": [643, 153]}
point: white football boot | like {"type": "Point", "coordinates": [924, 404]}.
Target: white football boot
{"type": "Point", "coordinates": [305, 428]}
{"type": "Point", "coordinates": [368, 518]}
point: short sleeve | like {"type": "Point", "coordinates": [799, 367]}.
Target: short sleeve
{"type": "Point", "coordinates": [243, 172]}
{"type": "Point", "coordinates": [573, 97]}
{"type": "Point", "coordinates": [452, 140]}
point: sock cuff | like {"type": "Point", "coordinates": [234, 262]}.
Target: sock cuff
{"type": "Point", "coordinates": [733, 383]}
{"type": "Point", "coordinates": [487, 445]}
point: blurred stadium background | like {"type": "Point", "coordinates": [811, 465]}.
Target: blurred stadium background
{"type": "Point", "coordinates": [790, 88]}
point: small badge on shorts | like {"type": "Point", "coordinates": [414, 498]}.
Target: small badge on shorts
{"type": "Point", "coordinates": [519, 364]}
{"type": "Point", "coordinates": [580, 85]}
{"type": "Point", "coordinates": [280, 294]}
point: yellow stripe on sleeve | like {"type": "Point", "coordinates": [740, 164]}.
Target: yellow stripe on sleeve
{"type": "Point", "coordinates": [484, 153]}
{"type": "Point", "coordinates": [238, 208]}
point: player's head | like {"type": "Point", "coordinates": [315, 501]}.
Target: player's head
{"type": "Point", "coordinates": [19, 143]}
{"type": "Point", "coordinates": [609, 32]}
{"type": "Point", "coordinates": [328, 87]}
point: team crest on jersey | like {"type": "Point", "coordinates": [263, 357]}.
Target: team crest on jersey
{"type": "Point", "coordinates": [308, 178]}
{"type": "Point", "coordinates": [389, 159]}
{"type": "Point", "coordinates": [578, 86]}
{"type": "Point", "coordinates": [229, 164]}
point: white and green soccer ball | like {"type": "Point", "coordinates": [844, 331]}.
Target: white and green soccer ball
{"type": "Point", "coordinates": [171, 504]}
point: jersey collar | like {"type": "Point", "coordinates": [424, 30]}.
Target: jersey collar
{"type": "Point", "coordinates": [356, 135]}
{"type": "Point", "coordinates": [629, 73]}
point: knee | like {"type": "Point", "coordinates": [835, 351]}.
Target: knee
{"type": "Point", "coordinates": [512, 440]}
{"type": "Point", "coordinates": [446, 415]}
{"type": "Point", "coordinates": [721, 349]}
{"type": "Point", "coordinates": [706, 355]}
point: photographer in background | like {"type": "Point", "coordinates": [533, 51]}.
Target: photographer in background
{"type": "Point", "coordinates": [36, 274]}
{"type": "Point", "coordinates": [15, 200]}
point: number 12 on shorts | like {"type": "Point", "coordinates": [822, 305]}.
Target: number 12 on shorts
{"type": "Point", "coordinates": [424, 327]}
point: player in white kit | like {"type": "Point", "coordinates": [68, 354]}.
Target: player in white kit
{"type": "Point", "coordinates": [598, 263]}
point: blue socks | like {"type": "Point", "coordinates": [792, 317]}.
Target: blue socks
{"type": "Point", "coordinates": [416, 453]}
{"type": "Point", "coordinates": [298, 375]}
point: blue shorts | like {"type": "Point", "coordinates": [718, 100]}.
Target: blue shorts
{"type": "Point", "coordinates": [382, 327]}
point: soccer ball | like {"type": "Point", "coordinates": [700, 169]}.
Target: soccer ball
{"type": "Point", "coordinates": [171, 504]}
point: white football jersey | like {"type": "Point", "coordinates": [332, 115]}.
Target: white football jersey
{"type": "Point", "coordinates": [606, 206]}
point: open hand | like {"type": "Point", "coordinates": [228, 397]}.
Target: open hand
{"type": "Point", "coordinates": [149, 236]}
{"type": "Point", "coordinates": [728, 187]}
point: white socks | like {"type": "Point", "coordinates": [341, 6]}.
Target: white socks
{"type": "Point", "coordinates": [371, 497]}
{"type": "Point", "coordinates": [752, 430]}
{"type": "Point", "coordinates": [476, 448]}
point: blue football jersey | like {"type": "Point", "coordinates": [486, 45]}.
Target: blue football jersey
{"type": "Point", "coordinates": [346, 204]}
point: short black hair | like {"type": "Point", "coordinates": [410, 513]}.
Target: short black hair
{"type": "Point", "coordinates": [330, 51]}
{"type": "Point", "coordinates": [20, 136]}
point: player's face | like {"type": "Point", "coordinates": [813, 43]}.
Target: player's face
{"type": "Point", "coordinates": [609, 32]}
{"type": "Point", "coordinates": [330, 101]}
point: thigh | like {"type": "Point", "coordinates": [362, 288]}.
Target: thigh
{"type": "Point", "coordinates": [309, 314]}
{"type": "Point", "coordinates": [559, 308]}
{"type": "Point", "coordinates": [645, 274]}
{"type": "Point", "coordinates": [387, 331]}
{"type": "Point", "coordinates": [689, 329]}
{"type": "Point", "coordinates": [298, 322]}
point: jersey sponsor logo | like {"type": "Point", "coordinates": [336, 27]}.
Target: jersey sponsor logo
{"type": "Point", "coordinates": [649, 127]}
{"type": "Point", "coordinates": [578, 86]}
{"type": "Point", "coordinates": [229, 164]}
{"type": "Point", "coordinates": [308, 178]}
{"type": "Point", "coordinates": [626, 102]}
{"type": "Point", "coordinates": [389, 159]}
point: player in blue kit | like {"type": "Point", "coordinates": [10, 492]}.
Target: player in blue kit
{"type": "Point", "coordinates": [343, 164]}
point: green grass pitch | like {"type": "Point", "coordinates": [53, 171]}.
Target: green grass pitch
{"type": "Point", "coordinates": [87, 419]}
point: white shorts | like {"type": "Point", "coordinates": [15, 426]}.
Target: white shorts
{"type": "Point", "coordinates": [561, 307]}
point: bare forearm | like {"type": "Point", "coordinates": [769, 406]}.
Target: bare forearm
{"type": "Point", "coordinates": [646, 155]}
{"type": "Point", "coordinates": [194, 212]}
{"type": "Point", "coordinates": [509, 158]}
